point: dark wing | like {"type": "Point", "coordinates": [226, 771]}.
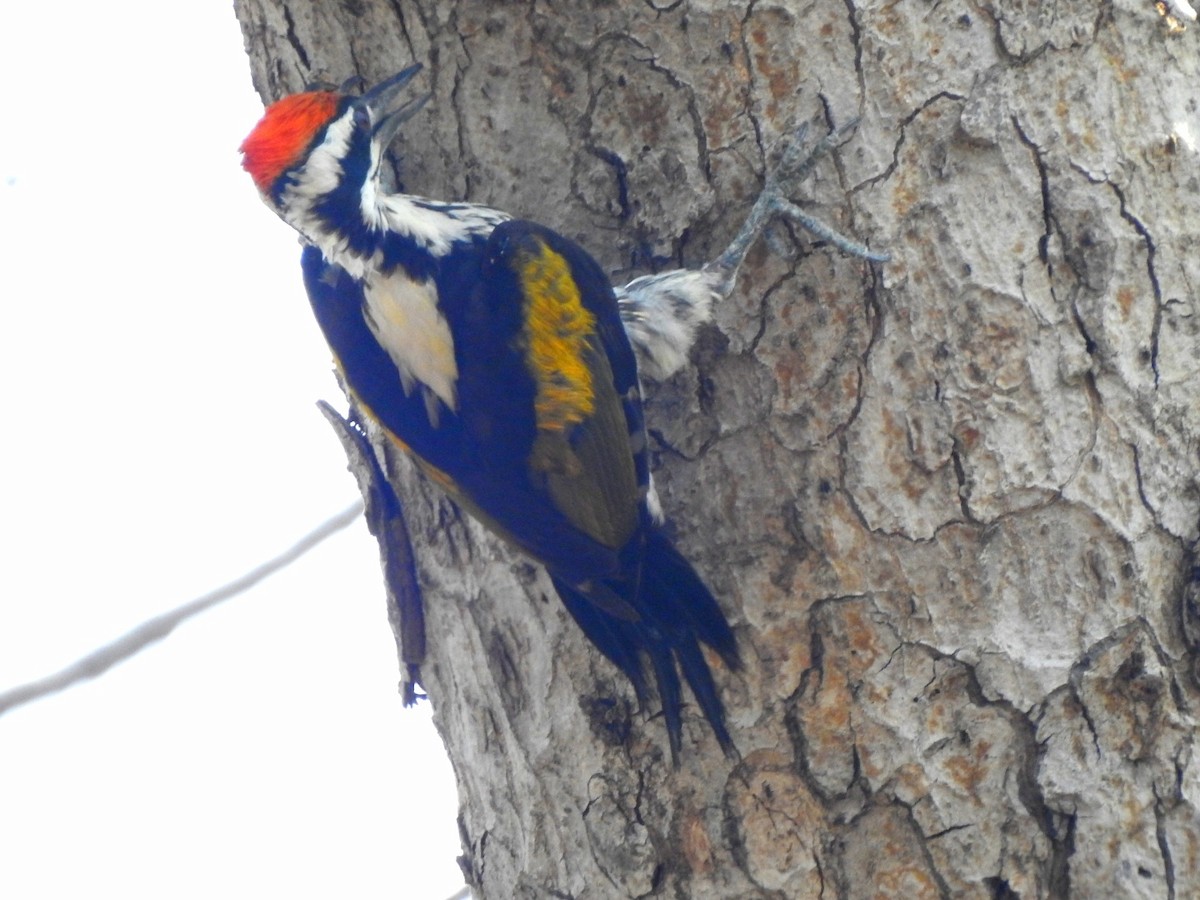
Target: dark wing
{"type": "Point", "coordinates": [586, 455]}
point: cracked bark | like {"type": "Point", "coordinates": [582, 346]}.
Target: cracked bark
{"type": "Point", "coordinates": [950, 509]}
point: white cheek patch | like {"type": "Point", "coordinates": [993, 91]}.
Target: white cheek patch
{"type": "Point", "coordinates": [403, 316]}
{"type": "Point", "coordinates": [323, 171]}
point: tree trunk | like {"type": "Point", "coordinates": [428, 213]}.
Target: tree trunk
{"type": "Point", "coordinates": [947, 504]}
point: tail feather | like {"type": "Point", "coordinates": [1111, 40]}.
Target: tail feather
{"type": "Point", "coordinates": [670, 694]}
{"type": "Point", "coordinates": [669, 575]}
{"type": "Point", "coordinates": [676, 613]}
{"type": "Point", "coordinates": [617, 639]}
{"type": "Point", "coordinates": [699, 678]}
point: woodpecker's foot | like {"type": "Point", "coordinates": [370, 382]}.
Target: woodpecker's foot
{"type": "Point", "coordinates": [796, 162]}
{"type": "Point", "coordinates": [663, 312]}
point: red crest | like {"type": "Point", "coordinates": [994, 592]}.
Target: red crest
{"type": "Point", "coordinates": [284, 133]}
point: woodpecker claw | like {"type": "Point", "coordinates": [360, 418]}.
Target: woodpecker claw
{"type": "Point", "coordinates": [796, 162]}
{"type": "Point", "coordinates": [662, 312]}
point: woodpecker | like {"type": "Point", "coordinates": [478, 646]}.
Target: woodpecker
{"type": "Point", "coordinates": [496, 353]}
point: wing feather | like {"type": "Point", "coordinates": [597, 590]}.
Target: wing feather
{"type": "Point", "coordinates": [582, 454]}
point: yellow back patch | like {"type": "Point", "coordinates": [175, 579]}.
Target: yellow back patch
{"type": "Point", "coordinates": [556, 333]}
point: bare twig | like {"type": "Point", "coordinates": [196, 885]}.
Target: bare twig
{"type": "Point", "coordinates": [152, 630]}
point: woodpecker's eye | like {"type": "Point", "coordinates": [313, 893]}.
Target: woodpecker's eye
{"type": "Point", "coordinates": [362, 118]}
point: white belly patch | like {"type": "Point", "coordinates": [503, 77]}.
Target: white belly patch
{"type": "Point", "coordinates": [403, 316]}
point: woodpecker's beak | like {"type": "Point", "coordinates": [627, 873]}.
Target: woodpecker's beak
{"type": "Point", "coordinates": [382, 103]}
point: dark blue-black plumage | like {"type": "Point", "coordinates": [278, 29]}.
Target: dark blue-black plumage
{"type": "Point", "coordinates": [565, 480]}
{"type": "Point", "coordinates": [639, 600]}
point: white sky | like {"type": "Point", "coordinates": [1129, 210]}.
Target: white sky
{"type": "Point", "coordinates": [160, 438]}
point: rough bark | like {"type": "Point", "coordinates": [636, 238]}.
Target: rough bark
{"type": "Point", "coordinates": [948, 506]}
